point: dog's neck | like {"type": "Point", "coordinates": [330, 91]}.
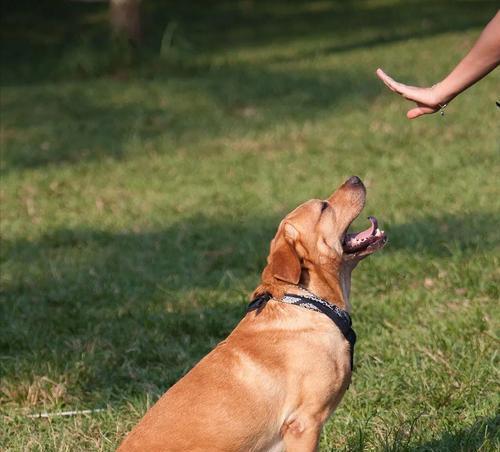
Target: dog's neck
{"type": "Point", "coordinates": [345, 284]}
{"type": "Point", "coordinates": [333, 285]}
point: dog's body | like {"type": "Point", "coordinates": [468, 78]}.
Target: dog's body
{"type": "Point", "coordinates": [272, 384]}
{"type": "Point", "coordinates": [255, 388]}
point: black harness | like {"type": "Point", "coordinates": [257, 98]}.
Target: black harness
{"type": "Point", "coordinates": [338, 316]}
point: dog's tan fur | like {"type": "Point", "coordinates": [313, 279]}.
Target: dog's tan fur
{"type": "Point", "coordinates": [274, 381]}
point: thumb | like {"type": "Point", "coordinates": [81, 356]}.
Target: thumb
{"type": "Point", "coordinates": [419, 111]}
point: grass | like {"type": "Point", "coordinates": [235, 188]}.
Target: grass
{"type": "Point", "coordinates": [140, 190]}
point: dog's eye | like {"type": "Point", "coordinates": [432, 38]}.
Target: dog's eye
{"type": "Point", "coordinates": [324, 206]}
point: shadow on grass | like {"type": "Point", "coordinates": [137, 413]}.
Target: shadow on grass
{"type": "Point", "coordinates": [90, 121]}
{"type": "Point", "coordinates": [87, 117]}
{"type": "Point", "coordinates": [484, 431]}
{"type": "Point", "coordinates": [43, 40]}
{"type": "Point", "coordinates": [111, 315]}
{"type": "Point", "coordinates": [124, 313]}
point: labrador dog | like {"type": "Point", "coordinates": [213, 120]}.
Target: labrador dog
{"type": "Point", "coordinates": [275, 380]}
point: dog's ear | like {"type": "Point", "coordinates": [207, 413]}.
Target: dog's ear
{"type": "Point", "coordinates": [283, 262]}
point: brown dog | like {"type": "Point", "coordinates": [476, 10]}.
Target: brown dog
{"type": "Point", "coordinates": [272, 384]}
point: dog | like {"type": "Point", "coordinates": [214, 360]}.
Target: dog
{"type": "Point", "coordinates": [275, 380]}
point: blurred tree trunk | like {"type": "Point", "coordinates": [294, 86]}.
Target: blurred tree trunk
{"type": "Point", "coordinates": [125, 17]}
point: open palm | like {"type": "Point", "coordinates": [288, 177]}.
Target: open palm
{"type": "Point", "coordinates": [426, 98]}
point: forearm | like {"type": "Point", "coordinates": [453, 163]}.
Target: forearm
{"type": "Point", "coordinates": [482, 59]}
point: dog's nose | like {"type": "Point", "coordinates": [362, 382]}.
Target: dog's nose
{"type": "Point", "coordinates": [354, 180]}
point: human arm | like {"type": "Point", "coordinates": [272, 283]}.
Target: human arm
{"type": "Point", "coordinates": [481, 59]}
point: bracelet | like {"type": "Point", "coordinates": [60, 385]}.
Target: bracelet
{"type": "Point", "coordinates": [441, 108]}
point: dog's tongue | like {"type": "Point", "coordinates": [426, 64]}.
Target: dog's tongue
{"type": "Point", "coordinates": [362, 240]}
{"type": "Point", "coordinates": [368, 232]}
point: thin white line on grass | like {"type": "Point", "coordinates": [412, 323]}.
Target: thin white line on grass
{"type": "Point", "coordinates": [65, 413]}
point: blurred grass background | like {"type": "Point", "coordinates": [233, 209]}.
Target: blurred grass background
{"type": "Point", "coordinates": [141, 186]}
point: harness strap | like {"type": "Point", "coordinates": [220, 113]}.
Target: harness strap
{"type": "Point", "coordinates": [338, 316]}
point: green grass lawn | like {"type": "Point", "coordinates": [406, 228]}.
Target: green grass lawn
{"type": "Point", "coordinates": [140, 190]}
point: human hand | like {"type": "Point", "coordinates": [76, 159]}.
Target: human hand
{"type": "Point", "coordinates": [428, 100]}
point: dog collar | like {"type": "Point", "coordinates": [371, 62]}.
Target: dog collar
{"type": "Point", "coordinates": [340, 317]}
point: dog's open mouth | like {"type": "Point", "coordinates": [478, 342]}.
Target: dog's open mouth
{"type": "Point", "coordinates": [368, 241]}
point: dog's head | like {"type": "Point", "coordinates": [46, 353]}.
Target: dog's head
{"type": "Point", "coordinates": [312, 245]}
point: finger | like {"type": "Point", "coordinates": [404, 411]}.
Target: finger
{"type": "Point", "coordinates": [393, 85]}
{"type": "Point", "coordinates": [388, 81]}
{"type": "Point", "coordinates": [419, 111]}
